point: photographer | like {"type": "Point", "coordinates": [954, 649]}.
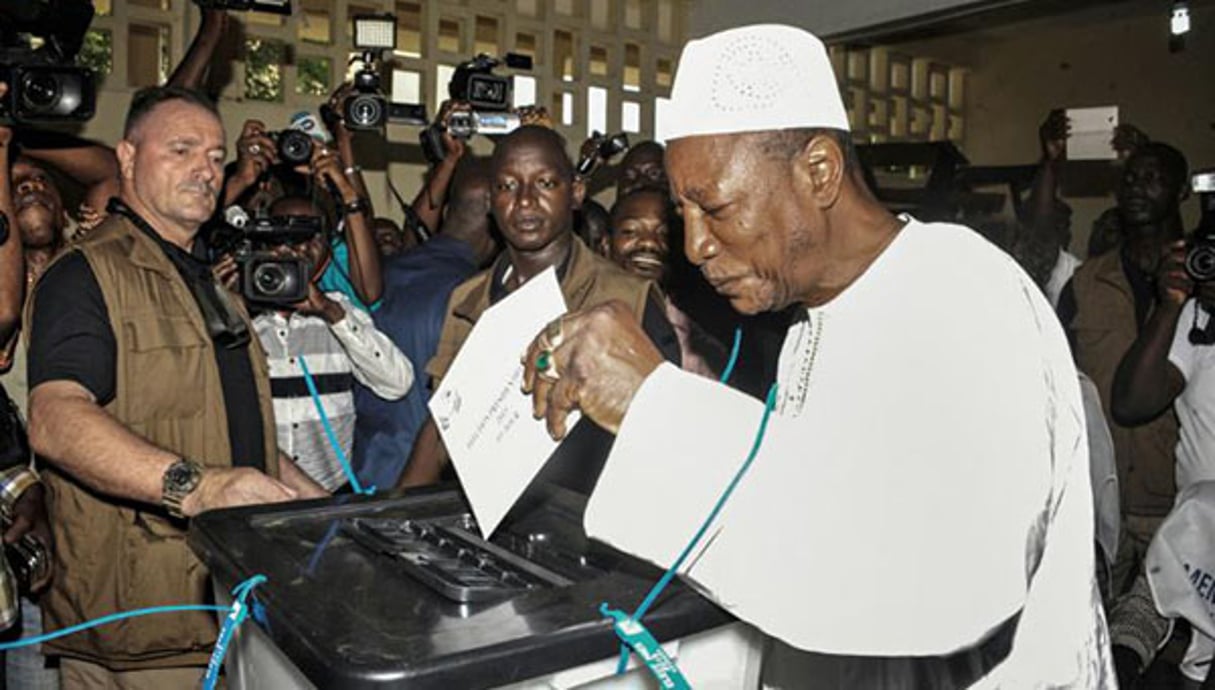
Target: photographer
{"type": "Point", "coordinates": [21, 494]}
{"type": "Point", "coordinates": [1171, 363]}
{"type": "Point", "coordinates": [338, 344]}
{"type": "Point", "coordinates": [428, 204]}
{"type": "Point", "coordinates": [1104, 308]}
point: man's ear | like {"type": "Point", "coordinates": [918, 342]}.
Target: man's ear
{"type": "Point", "coordinates": [125, 151]}
{"type": "Point", "coordinates": [819, 169]}
{"type": "Point", "coordinates": [579, 191]}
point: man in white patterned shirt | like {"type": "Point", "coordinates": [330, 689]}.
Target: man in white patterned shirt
{"type": "Point", "coordinates": [339, 344]}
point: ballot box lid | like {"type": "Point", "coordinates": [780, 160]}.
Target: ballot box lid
{"type": "Point", "coordinates": [349, 617]}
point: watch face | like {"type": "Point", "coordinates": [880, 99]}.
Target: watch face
{"type": "Point", "coordinates": [181, 476]}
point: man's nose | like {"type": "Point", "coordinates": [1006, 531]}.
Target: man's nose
{"type": "Point", "coordinates": [697, 243]}
{"type": "Point", "coordinates": [528, 195]}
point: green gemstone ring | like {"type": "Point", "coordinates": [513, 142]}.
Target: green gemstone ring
{"type": "Point", "coordinates": [544, 360]}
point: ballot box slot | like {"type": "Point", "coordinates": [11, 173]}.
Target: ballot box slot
{"type": "Point", "coordinates": [447, 555]}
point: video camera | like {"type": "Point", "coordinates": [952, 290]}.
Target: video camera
{"type": "Point", "coordinates": [265, 277]}
{"type": "Point", "coordinates": [271, 6]}
{"type": "Point", "coordinates": [490, 97]}
{"type": "Point", "coordinates": [1200, 253]}
{"type": "Point", "coordinates": [44, 84]}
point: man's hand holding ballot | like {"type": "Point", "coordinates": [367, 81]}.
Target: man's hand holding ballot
{"type": "Point", "coordinates": [594, 361]}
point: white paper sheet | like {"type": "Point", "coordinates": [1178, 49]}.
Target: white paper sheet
{"type": "Point", "coordinates": [1092, 133]}
{"type": "Point", "coordinates": [482, 414]}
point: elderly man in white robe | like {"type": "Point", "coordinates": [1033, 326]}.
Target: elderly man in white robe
{"type": "Point", "coordinates": [918, 513]}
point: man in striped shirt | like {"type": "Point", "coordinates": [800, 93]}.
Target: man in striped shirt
{"type": "Point", "coordinates": [338, 343]}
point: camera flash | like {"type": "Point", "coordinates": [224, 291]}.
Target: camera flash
{"type": "Point", "coordinates": [375, 32]}
{"type": "Point", "coordinates": [1180, 22]}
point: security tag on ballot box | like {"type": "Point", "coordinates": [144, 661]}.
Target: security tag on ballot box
{"type": "Point", "coordinates": [480, 409]}
{"type": "Point", "coordinates": [639, 639]}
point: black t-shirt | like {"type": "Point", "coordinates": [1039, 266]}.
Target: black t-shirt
{"type": "Point", "coordinates": [72, 338]}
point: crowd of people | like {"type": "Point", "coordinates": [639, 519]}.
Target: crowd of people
{"type": "Point", "coordinates": [155, 382]}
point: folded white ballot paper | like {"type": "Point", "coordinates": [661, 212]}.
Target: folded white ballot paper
{"type": "Point", "coordinates": [482, 414]}
{"type": "Point", "coordinates": [1092, 133]}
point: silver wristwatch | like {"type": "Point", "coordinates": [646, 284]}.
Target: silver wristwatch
{"type": "Point", "coordinates": [181, 478]}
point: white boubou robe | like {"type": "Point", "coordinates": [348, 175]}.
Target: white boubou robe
{"type": "Point", "coordinates": [924, 475]}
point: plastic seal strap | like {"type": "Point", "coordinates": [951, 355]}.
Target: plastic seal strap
{"type": "Point", "coordinates": [635, 636]}
{"type": "Point", "coordinates": [236, 615]}
{"type": "Point", "coordinates": [725, 373]}
{"type": "Point", "coordinates": [337, 447]}
{"type": "Point", "coordinates": [769, 405]}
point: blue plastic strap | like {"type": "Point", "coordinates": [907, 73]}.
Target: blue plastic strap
{"type": "Point", "coordinates": [112, 618]}
{"type": "Point", "coordinates": [725, 373]}
{"type": "Point", "coordinates": [237, 614]}
{"type": "Point", "coordinates": [669, 575]}
{"type": "Point", "coordinates": [635, 636]}
{"type": "Point", "coordinates": [333, 441]}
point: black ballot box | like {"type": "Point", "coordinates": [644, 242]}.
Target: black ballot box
{"type": "Point", "coordinates": [402, 592]}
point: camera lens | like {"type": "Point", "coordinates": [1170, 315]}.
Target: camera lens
{"type": "Point", "coordinates": [366, 110]}
{"type": "Point", "coordinates": [40, 91]}
{"type": "Point", "coordinates": [271, 279]}
{"type": "Point", "coordinates": [295, 147]}
{"type": "Point", "coordinates": [1200, 263]}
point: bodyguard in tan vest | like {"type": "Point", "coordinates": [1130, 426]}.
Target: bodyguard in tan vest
{"type": "Point", "coordinates": [150, 402]}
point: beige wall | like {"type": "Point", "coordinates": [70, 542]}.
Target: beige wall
{"type": "Point", "coordinates": [1113, 55]}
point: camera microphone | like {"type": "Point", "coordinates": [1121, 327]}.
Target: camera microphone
{"type": "Point", "coordinates": [236, 217]}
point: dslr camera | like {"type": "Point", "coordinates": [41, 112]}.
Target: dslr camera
{"type": "Point", "coordinates": [44, 84]}
{"type": "Point", "coordinates": [294, 146]}
{"type": "Point", "coordinates": [1200, 251]}
{"type": "Point", "coordinates": [265, 277]}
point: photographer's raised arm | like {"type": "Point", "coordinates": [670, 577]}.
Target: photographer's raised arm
{"type": "Point", "coordinates": [255, 153]}
{"type": "Point", "coordinates": [364, 257]}
{"type": "Point", "coordinates": [344, 139]}
{"type": "Point", "coordinates": [12, 267]}
{"type": "Point", "coordinates": [1146, 382]}
{"type": "Point", "coordinates": [91, 164]}
{"type": "Point", "coordinates": [428, 204]}
{"type": "Point", "coordinates": [191, 72]}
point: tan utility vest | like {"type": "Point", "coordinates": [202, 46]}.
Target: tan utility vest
{"type": "Point", "coordinates": [113, 555]}
{"type": "Point", "coordinates": [1104, 329]}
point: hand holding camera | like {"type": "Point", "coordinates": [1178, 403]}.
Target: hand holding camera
{"type": "Point", "coordinates": [28, 539]}
{"type": "Point", "coordinates": [1173, 281]}
{"type": "Point", "coordinates": [599, 148]}
{"type": "Point", "coordinates": [256, 152]}
{"type": "Point", "coordinates": [326, 169]}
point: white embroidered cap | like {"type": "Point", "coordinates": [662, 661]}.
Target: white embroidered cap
{"type": "Point", "coordinates": [753, 79]}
